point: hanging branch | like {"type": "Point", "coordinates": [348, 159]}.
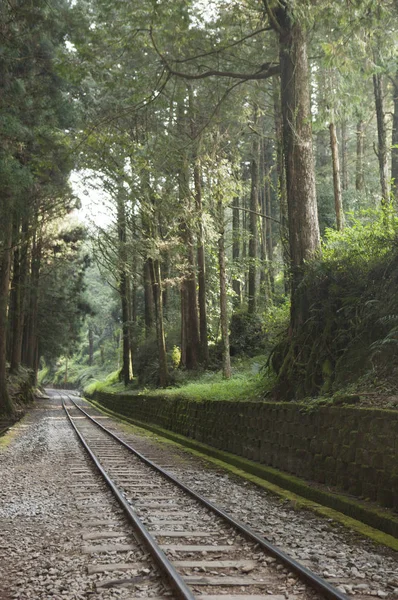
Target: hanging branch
{"type": "Point", "coordinates": [275, 25]}
{"type": "Point", "coordinates": [266, 70]}
{"type": "Point", "coordinates": [222, 48]}
{"type": "Point", "coordinates": [255, 213]}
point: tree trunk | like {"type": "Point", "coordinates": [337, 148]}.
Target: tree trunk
{"type": "Point", "coordinates": [6, 406]}
{"type": "Point", "coordinates": [226, 359]}
{"type": "Point", "coordinates": [197, 175]}
{"type": "Point", "coordinates": [160, 335]}
{"type": "Point", "coordinates": [127, 366]}
{"type": "Point", "coordinates": [149, 309]}
{"type": "Point", "coordinates": [282, 193]}
{"type": "Point", "coordinates": [204, 348]}
{"type": "Point", "coordinates": [127, 370]}
{"type": "Point", "coordinates": [382, 150]}
{"type": "Point", "coordinates": [19, 284]}
{"type": "Point", "coordinates": [236, 285]}
{"type": "Point", "coordinates": [253, 221]}
{"type": "Point", "coordinates": [304, 234]}
{"type": "Point", "coordinates": [183, 304]}
{"type": "Point", "coordinates": [338, 199]}
{"type": "Point", "coordinates": [394, 141]}
{"type": "Point", "coordinates": [268, 151]}
{"type": "Point", "coordinates": [14, 292]}
{"type": "Point", "coordinates": [264, 279]}
{"type": "Point", "coordinates": [165, 274]}
{"type": "Point", "coordinates": [189, 306]}
{"type": "Point", "coordinates": [344, 155]}
{"type": "Point", "coordinates": [269, 236]}
{"type": "Point", "coordinates": [134, 301]}
{"type": "Point", "coordinates": [90, 344]}
{"type": "Point", "coordinates": [31, 330]}
{"type": "Point", "coordinates": [191, 313]}
{"type": "Point", "coordinates": [359, 173]}
{"type": "Point", "coordinates": [66, 371]}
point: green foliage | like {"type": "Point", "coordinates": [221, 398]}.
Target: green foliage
{"type": "Point", "coordinates": [368, 237]}
{"type": "Point", "coordinates": [20, 387]}
{"type": "Point", "coordinates": [175, 356]}
{"type": "Point", "coordinates": [216, 388]}
{"type": "Point", "coordinates": [62, 306]}
{"type": "Point", "coordinates": [351, 298]}
{"type": "Point", "coordinates": [247, 382]}
{"type": "Point", "coordinates": [111, 382]}
{"type": "Point", "coordinates": [254, 334]}
{"type": "Point", "coordinates": [146, 362]}
{"type": "Point", "coordinates": [246, 334]}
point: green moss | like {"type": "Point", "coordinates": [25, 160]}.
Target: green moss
{"type": "Point", "coordinates": [11, 434]}
{"type": "Point", "coordinates": [378, 524]}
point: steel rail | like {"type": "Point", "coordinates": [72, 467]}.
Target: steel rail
{"type": "Point", "coordinates": [316, 582]}
{"type": "Point", "coordinates": [176, 581]}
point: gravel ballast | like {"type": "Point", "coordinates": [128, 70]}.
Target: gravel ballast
{"type": "Point", "coordinates": [42, 518]}
{"type": "Point", "coordinates": [43, 515]}
{"type": "Point", "coordinates": [350, 562]}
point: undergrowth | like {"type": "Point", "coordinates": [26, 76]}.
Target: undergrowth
{"type": "Point", "coordinates": [247, 383]}
{"type": "Point", "coordinates": [351, 329]}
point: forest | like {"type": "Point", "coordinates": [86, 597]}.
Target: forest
{"type": "Point", "coordinates": [243, 155]}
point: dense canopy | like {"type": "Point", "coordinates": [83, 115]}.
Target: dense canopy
{"type": "Point", "coordinates": [231, 141]}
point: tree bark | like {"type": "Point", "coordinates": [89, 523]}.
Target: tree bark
{"type": "Point", "coordinates": [338, 199]}
{"type": "Point", "coordinates": [226, 359]}
{"type": "Point", "coordinates": [359, 172]}
{"type": "Point", "coordinates": [6, 406]}
{"type": "Point", "coordinates": [394, 141]}
{"type": "Point", "coordinates": [201, 259]}
{"type": "Point", "coordinates": [134, 301]}
{"type": "Point", "coordinates": [282, 193]}
{"type": "Point", "coordinates": [344, 155]}
{"type": "Point", "coordinates": [183, 304]}
{"type": "Point", "coordinates": [127, 365]}
{"type": "Point", "coordinates": [149, 308]}
{"type": "Point", "coordinates": [191, 310]}
{"type": "Point", "coordinates": [304, 234]}
{"type": "Point", "coordinates": [19, 280]}
{"type": "Point", "coordinates": [264, 279]}
{"type": "Point", "coordinates": [160, 335]}
{"type": "Point", "coordinates": [14, 292]}
{"type": "Point", "coordinates": [204, 347]}
{"type": "Point", "coordinates": [31, 329]}
{"type": "Point", "coordinates": [189, 307]}
{"type": "Point", "coordinates": [268, 212]}
{"type": "Point", "coordinates": [382, 150]}
{"type": "Point", "coordinates": [253, 222]}
{"type": "Point", "coordinates": [90, 344]}
{"type": "Point", "coordinates": [269, 236]}
{"type": "Point", "coordinates": [236, 234]}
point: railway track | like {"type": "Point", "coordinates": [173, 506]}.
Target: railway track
{"type": "Point", "coordinates": [200, 550]}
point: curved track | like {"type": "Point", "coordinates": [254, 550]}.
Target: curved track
{"type": "Point", "coordinates": [225, 556]}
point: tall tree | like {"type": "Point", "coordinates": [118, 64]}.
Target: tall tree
{"type": "Point", "coordinates": [338, 198]}
{"type": "Point", "coordinates": [304, 236]}
{"type": "Point", "coordinates": [253, 223]}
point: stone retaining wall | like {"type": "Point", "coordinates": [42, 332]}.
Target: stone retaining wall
{"type": "Point", "coordinates": [352, 448]}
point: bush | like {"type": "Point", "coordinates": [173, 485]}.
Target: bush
{"type": "Point", "coordinates": [146, 362]}
{"type": "Point", "coordinates": [247, 336]}
{"type": "Point", "coordinates": [352, 295]}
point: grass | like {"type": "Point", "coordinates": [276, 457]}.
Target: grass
{"type": "Point", "coordinates": [110, 384]}
{"type": "Point", "coordinates": [248, 382]}
{"type": "Point", "coordinates": [241, 387]}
